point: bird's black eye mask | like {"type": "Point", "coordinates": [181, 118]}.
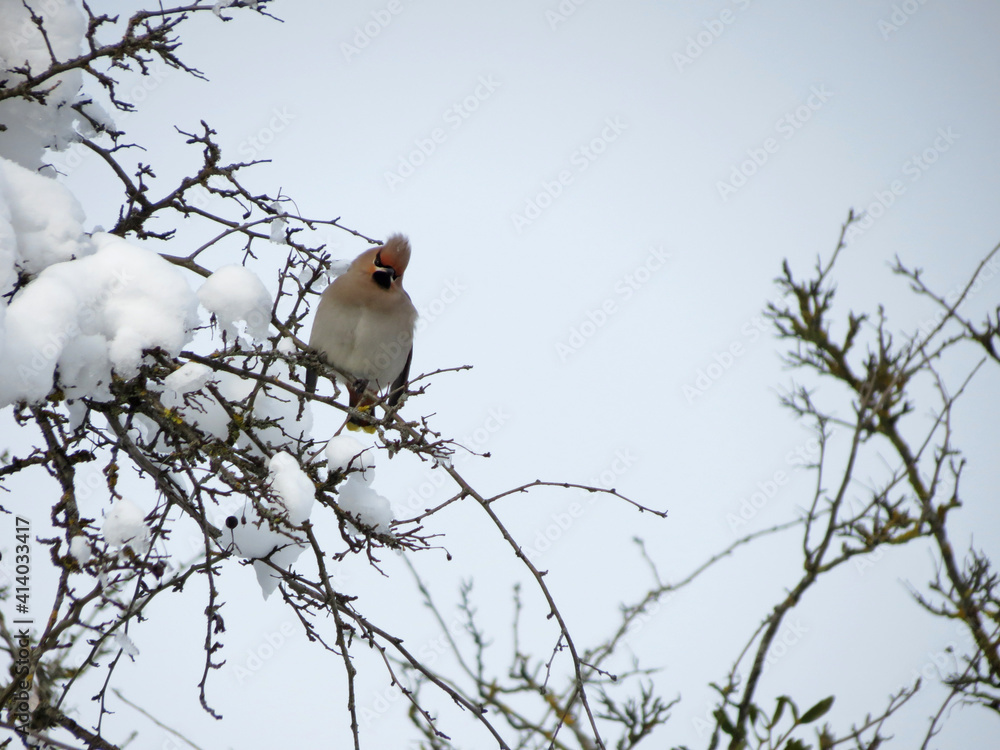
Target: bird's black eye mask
{"type": "Point", "coordinates": [383, 275]}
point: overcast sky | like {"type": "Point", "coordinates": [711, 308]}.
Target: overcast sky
{"type": "Point", "coordinates": [599, 199]}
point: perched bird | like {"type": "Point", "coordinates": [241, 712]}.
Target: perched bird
{"type": "Point", "coordinates": [364, 327]}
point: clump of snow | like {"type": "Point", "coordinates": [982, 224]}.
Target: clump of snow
{"type": "Point", "coordinates": [344, 453]}
{"type": "Point", "coordinates": [339, 267]}
{"type": "Point", "coordinates": [79, 547]}
{"type": "Point", "coordinates": [365, 504]}
{"type": "Point", "coordinates": [189, 377]}
{"type": "Point", "coordinates": [278, 231]}
{"type": "Point", "coordinates": [78, 411]}
{"type": "Point", "coordinates": [126, 644]}
{"type": "Point", "coordinates": [89, 316]}
{"type": "Point", "coordinates": [33, 126]}
{"type": "Point", "coordinates": [220, 6]}
{"type": "Point", "coordinates": [295, 494]}
{"type": "Point", "coordinates": [278, 224]}
{"type": "Point", "coordinates": [86, 305]}
{"type": "Point", "coordinates": [273, 405]}
{"type": "Point", "coordinates": [293, 486]}
{"type": "Point", "coordinates": [124, 526]}
{"type": "Point", "coordinates": [356, 496]}
{"type": "Point", "coordinates": [41, 223]}
{"type": "Point", "coordinates": [235, 293]}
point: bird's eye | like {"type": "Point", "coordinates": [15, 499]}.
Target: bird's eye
{"type": "Point", "coordinates": [378, 259]}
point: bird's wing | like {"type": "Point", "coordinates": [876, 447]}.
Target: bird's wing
{"type": "Point", "coordinates": [399, 384]}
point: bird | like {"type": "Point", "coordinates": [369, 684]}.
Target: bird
{"type": "Point", "coordinates": [364, 328]}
